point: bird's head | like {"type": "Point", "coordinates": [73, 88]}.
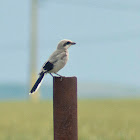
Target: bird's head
{"type": "Point", "coordinates": [65, 44]}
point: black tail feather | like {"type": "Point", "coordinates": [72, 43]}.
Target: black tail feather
{"type": "Point", "coordinates": [37, 83]}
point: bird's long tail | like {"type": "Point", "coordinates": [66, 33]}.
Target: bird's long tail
{"type": "Point", "coordinates": [37, 83]}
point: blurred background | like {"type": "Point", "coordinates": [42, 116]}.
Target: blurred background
{"type": "Point", "coordinates": [105, 59]}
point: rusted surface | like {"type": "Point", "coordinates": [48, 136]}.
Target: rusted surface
{"type": "Point", "coordinates": [65, 108]}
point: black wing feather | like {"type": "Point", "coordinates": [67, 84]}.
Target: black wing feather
{"type": "Point", "coordinates": [48, 66]}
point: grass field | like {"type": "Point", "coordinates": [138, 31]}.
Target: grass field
{"type": "Point", "coordinates": [98, 120]}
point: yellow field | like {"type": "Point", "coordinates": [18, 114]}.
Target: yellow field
{"type": "Point", "coordinates": [98, 120]}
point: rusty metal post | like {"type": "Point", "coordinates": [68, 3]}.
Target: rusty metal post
{"type": "Point", "coordinates": [65, 108]}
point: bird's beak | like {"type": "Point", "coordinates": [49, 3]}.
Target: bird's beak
{"type": "Point", "coordinates": [73, 43]}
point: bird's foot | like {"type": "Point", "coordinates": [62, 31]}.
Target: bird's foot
{"type": "Point", "coordinates": [61, 77]}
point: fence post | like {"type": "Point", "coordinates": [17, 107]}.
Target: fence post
{"type": "Point", "coordinates": [65, 108]}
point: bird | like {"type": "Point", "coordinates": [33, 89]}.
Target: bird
{"type": "Point", "coordinates": [56, 62]}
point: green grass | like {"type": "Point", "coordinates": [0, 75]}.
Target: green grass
{"type": "Point", "coordinates": [97, 120]}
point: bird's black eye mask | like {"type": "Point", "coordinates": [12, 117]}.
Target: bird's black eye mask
{"type": "Point", "coordinates": [67, 43]}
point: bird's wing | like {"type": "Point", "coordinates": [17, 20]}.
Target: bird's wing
{"type": "Point", "coordinates": [49, 64]}
{"type": "Point", "coordinates": [46, 67]}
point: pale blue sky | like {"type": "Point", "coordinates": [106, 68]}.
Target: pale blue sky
{"type": "Point", "coordinates": [107, 36]}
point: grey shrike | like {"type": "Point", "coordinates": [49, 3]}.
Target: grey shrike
{"type": "Point", "coordinates": [55, 62]}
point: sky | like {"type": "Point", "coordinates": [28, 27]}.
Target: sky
{"type": "Point", "coordinates": [107, 34]}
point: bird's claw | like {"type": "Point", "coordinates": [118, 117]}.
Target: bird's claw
{"type": "Point", "coordinates": [61, 78]}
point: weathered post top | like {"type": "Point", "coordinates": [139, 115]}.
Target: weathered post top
{"type": "Point", "coordinates": [65, 108]}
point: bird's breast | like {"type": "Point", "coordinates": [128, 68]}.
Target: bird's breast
{"type": "Point", "coordinates": [65, 56]}
{"type": "Point", "coordinates": [61, 62]}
